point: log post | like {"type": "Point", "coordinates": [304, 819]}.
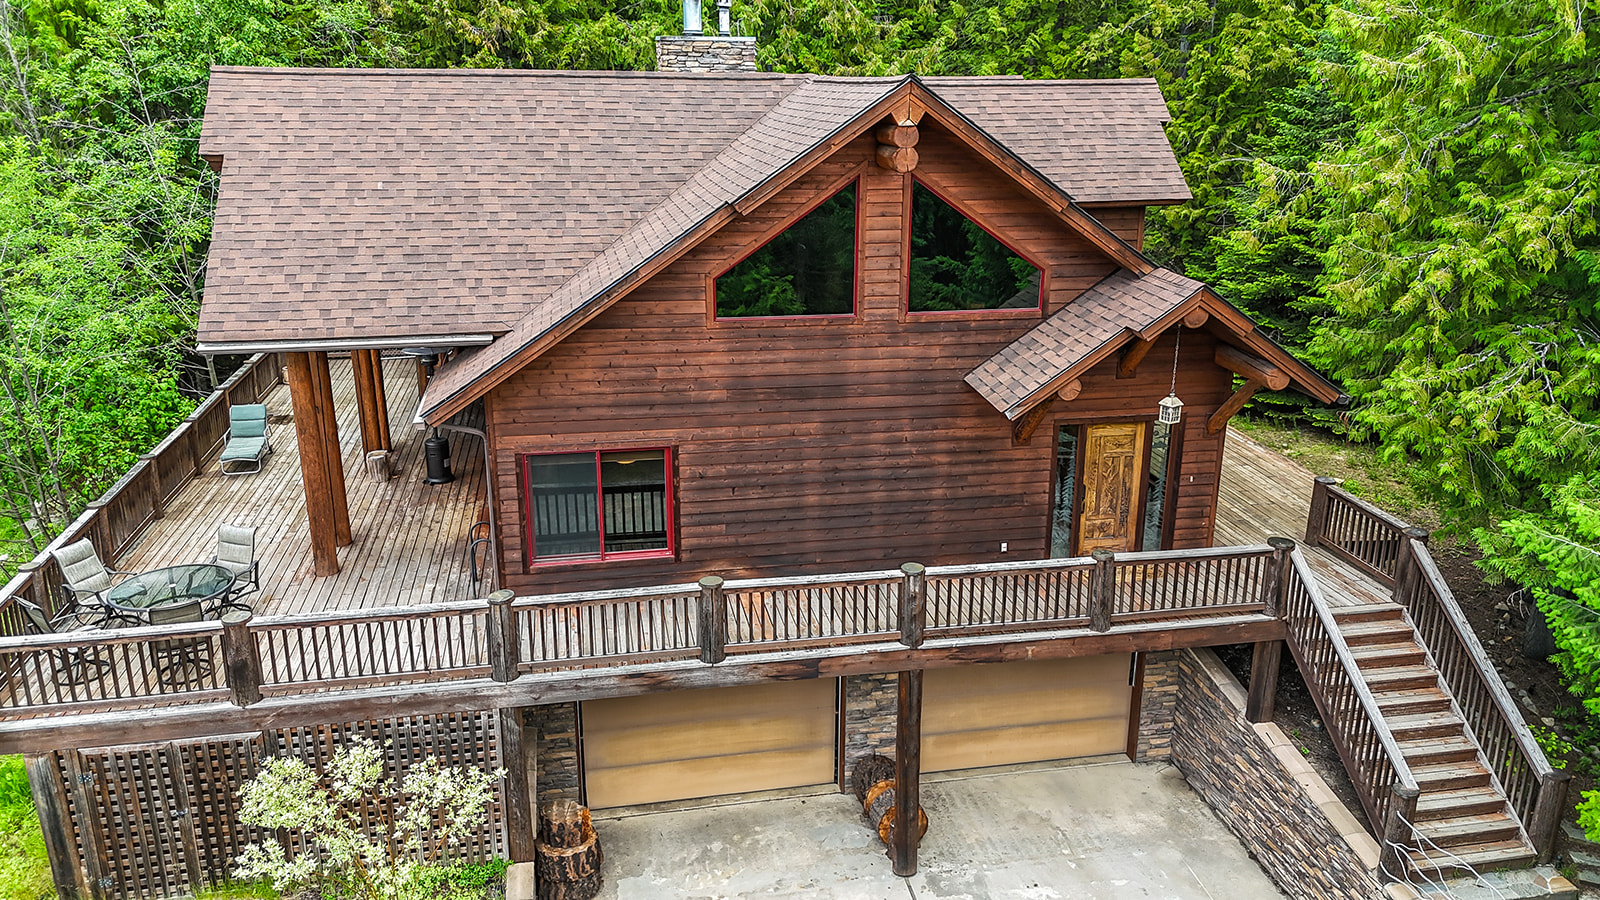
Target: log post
{"type": "Point", "coordinates": [366, 402]}
{"type": "Point", "coordinates": [1547, 812]}
{"type": "Point", "coordinates": [382, 399]}
{"type": "Point", "coordinates": [1397, 833]}
{"type": "Point", "coordinates": [329, 419]}
{"type": "Point", "coordinates": [1102, 590]}
{"type": "Point", "coordinates": [907, 774]}
{"type": "Point", "coordinates": [913, 603]}
{"type": "Point", "coordinates": [49, 798]}
{"type": "Point", "coordinates": [306, 398]}
{"type": "Point", "coordinates": [515, 753]}
{"type": "Point", "coordinates": [1405, 563]}
{"type": "Point", "coordinates": [1280, 568]}
{"type": "Point", "coordinates": [1263, 681]}
{"type": "Point", "coordinates": [713, 621]}
{"type": "Point", "coordinates": [504, 641]}
{"type": "Point", "coordinates": [241, 658]}
{"type": "Point", "coordinates": [1317, 515]}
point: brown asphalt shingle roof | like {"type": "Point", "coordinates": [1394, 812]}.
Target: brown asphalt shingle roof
{"type": "Point", "coordinates": [394, 204]}
{"type": "Point", "coordinates": [1122, 302]}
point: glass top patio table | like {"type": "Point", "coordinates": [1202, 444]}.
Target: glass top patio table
{"type": "Point", "coordinates": [170, 586]}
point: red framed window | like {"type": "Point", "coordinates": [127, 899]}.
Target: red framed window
{"type": "Point", "coordinates": [598, 505]}
{"type": "Point", "coordinates": [808, 270]}
{"type": "Point", "coordinates": [957, 265]}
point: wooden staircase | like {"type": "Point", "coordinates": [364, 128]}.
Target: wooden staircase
{"type": "Point", "coordinates": [1461, 809]}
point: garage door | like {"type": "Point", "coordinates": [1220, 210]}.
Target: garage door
{"type": "Point", "coordinates": [995, 715]}
{"type": "Point", "coordinates": [702, 743]}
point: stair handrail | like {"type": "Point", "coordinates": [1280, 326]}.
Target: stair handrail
{"type": "Point", "coordinates": [1366, 745]}
{"type": "Point", "coordinates": [1534, 789]}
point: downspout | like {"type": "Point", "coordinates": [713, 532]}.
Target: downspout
{"type": "Point", "coordinates": [488, 503]}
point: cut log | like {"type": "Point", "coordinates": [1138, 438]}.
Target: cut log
{"type": "Point", "coordinates": [564, 823]}
{"type": "Point", "coordinates": [570, 890]}
{"type": "Point", "coordinates": [880, 797]}
{"type": "Point", "coordinates": [886, 827]}
{"type": "Point", "coordinates": [868, 771]}
{"type": "Point", "coordinates": [569, 864]}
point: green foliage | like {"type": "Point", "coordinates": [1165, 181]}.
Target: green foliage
{"type": "Point", "coordinates": [374, 838]}
{"type": "Point", "coordinates": [24, 868]}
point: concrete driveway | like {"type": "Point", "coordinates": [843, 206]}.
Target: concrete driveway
{"type": "Point", "coordinates": [1107, 828]}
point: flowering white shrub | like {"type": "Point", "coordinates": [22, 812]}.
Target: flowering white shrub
{"type": "Point", "coordinates": [366, 837]}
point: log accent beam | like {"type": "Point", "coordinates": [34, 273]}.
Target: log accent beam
{"type": "Point", "coordinates": [897, 142]}
{"type": "Point", "coordinates": [899, 160]}
{"type": "Point", "coordinates": [1022, 430]}
{"type": "Point", "coordinates": [1070, 391]}
{"type": "Point", "coordinates": [334, 458]}
{"type": "Point", "coordinates": [1196, 318]}
{"type": "Point", "coordinates": [897, 135]}
{"type": "Point", "coordinates": [1253, 367]}
{"type": "Point", "coordinates": [907, 774]}
{"type": "Point", "coordinates": [1219, 419]}
{"type": "Point", "coordinates": [306, 399]}
{"type": "Point", "coordinates": [1135, 353]}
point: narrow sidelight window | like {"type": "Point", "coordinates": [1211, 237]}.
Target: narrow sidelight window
{"type": "Point", "coordinates": [1163, 463]}
{"type": "Point", "coordinates": [1065, 492]}
{"type": "Point", "coordinates": [956, 265]}
{"type": "Point", "coordinates": [598, 505]}
{"type": "Point", "coordinates": [808, 270]}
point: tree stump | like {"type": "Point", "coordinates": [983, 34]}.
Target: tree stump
{"type": "Point", "coordinates": [868, 771]}
{"type": "Point", "coordinates": [568, 855]}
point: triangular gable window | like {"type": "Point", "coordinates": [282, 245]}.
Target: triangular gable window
{"type": "Point", "coordinates": [807, 270]}
{"type": "Point", "coordinates": [958, 266]}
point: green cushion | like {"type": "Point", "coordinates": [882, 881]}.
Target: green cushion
{"type": "Point", "coordinates": [244, 448]}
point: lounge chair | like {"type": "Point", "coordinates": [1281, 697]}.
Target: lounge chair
{"type": "Point", "coordinates": [84, 577]}
{"type": "Point", "coordinates": [247, 444]}
{"type": "Point", "coordinates": [236, 552]}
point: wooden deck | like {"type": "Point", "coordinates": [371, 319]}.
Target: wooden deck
{"type": "Point", "coordinates": [410, 538]}
{"type": "Point", "coordinates": [1265, 494]}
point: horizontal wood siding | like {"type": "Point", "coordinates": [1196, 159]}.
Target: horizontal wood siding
{"type": "Point", "coordinates": [845, 444]}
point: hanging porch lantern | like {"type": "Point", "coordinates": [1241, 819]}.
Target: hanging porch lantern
{"type": "Point", "coordinates": [1170, 410]}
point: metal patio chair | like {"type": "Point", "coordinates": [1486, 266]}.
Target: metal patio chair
{"type": "Point", "coordinates": [183, 661]}
{"type": "Point", "coordinates": [73, 666]}
{"type": "Point", "coordinates": [247, 445]}
{"type": "Point", "coordinates": [84, 577]}
{"type": "Point", "coordinates": [236, 552]}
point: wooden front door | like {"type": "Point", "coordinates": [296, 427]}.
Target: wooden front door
{"type": "Point", "coordinates": [1113, 461]}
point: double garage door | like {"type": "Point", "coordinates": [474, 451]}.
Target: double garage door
{"type": "Point", "coordinates": [689, 744]}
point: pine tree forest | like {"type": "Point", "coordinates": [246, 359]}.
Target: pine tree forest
{"type": "Point", "coordinates": [1406, 193]}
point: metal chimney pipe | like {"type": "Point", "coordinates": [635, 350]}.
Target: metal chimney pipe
{"type": "Point", "coordinates": [692, 23]}
{"type": "Point", "coordinates": [724, 25]}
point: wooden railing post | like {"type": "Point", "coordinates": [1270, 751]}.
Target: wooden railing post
{"type": "Point", "coordinates": [504, 642]}
{"type": "Point", "coordinates": [913, 603]}
{"type": "Point", "coordinates": [1102, 590]}
{"type": "Point", "coordinates": [152, 468]}
{"type": "Point", "coordinates": [1275, 587]}
{"type": "Point", "coordinates": [1405, 564]}
{"type": "Point", "coordinates": [1317, 515]}
{"type": "Point", "coordinates": [241, 659]}
{"type": "Point", "coordinates": [1397, 833]}
{"type": "Point", "coordinates": [1547, 812]}
{"type": "Point", "coordinates": [713, 621]}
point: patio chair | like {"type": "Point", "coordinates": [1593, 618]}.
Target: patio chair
{"type": "Point", "coordinates": [236, 552]}
{"type": "Point", "coordinates": [73, 666]}
{"type": "Point", "coordinates": [83, 575]}
{"type": "Point", "coordinates": [247, 444]}
{"type": "Point", "coordinates": [185, 661]}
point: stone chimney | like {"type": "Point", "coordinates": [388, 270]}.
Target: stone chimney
{"type": "Point", "coordinates": [696, 51]}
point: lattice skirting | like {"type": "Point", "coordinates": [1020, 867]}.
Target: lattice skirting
{"type": "Point", "coordinates": [161, 820]}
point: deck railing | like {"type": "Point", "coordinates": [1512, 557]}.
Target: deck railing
{"type": "Point", "coordinates": [506, 637]}
{"type": "Point", "coordinates": [1535, 789]}
{"type": "Point", "coordinates": [1354, 530]}
{"type": "Point", "coordinates": [1368, 749]}
{"type": "Point", "coordinates": [141, 495]}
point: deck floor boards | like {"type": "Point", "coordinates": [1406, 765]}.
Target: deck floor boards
{"type": "Point", "coordinates": [410, 538]}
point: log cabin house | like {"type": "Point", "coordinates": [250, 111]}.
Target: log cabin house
{"type": "Point", "coordinates": [794, 418]}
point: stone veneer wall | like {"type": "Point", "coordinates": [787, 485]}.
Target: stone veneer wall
{"type": "Point", "coordinates": [870, 707]}
{"type": "Point", "coordinates": [555, 734]}
{"type": "Point", "coordinates": [1259, 785]}
{"type": "Point", "coordinates": [705, 53]}
{"type": "Point", "coordinates": [1158, 701]}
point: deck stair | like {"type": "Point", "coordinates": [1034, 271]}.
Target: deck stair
{"type": "Point", "coordinates": [1461, 810]}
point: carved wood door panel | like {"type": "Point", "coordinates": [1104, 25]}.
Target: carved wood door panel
{"type": "Point", "coordinates": [1113, 460]}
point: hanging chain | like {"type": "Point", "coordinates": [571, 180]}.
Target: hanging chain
{"type": "Point", "coordinates": [1176, 343]}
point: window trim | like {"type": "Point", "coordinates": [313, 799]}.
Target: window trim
{"type": "Point", "coordinates": [853, 177]}
{"type": "Point", "coordinates": [531, 558]}
{"type": "Point", "coordinates": [948, 196]}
